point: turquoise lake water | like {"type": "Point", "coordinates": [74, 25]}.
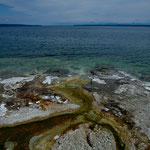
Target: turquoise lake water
{"type": "Point", "coordinates": [32, 50]}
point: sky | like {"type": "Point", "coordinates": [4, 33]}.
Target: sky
{"type": "Point", "coordinates": [65, 12]}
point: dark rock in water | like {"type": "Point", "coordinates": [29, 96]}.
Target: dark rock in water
{"type": "Point", "coordinates": [8, 74]}
{"type": "Point", "coordinates": [145, 78]}
{"type": "Point", "coordinates": [102, 67]}
{"type": "Point", "coordinates": [75, 68]}
{"type": "Point", "coordinates": [57, 72]}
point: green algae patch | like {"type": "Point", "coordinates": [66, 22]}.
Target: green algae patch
{"type": "Point", "coordinates": [78, 95]}
{"type": "Point", "coordinates": [72, 89]}
{"type": "Point", "coordinates": [120, 131]}
{"type": "Point", "coordinates": [44, 140]}
{"type": "Point", "coordinates": [73, 81]}
{"type": "Point", "coordinates": [22, 134]}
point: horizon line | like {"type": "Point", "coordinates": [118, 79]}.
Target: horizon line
{"type": "Point", "coordinates": [84, 24]}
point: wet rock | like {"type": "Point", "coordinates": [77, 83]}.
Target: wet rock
{"type": "Point", "coordinates": [10, 145]}
{"type": "Point", "coordinates": [1, 88]}
{"type": "Point", "coordinates": [108, 85]}
{"type": "Point", "coordinates": [102, 67]}
{"type": "Point", "coordinates": [145, 76]}
{"type": "Point", "coordinates": [57, 72]}
{"type": "Point", "coordinates": [9, 74]}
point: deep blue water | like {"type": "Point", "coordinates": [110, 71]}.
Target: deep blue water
{"type": "Point", "coordinates": [26, 50]}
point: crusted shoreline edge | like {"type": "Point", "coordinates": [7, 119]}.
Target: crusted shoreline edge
{"type": "Point", "coordinates": [107, 87]}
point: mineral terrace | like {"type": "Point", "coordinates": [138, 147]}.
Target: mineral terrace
{"type": "Point", "coordinates": [107, 109]}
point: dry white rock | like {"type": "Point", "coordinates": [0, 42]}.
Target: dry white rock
{"type": "Point", "coordinates": [3, 110]}
{"type": "Point", "coordinates": [96, 79]}
{"type": "Point", "coordinates": [15, 80]}
{"type": "Point", "coordinates": [56, 137]}
{"type": "Point", "coordinates": [48, 79]}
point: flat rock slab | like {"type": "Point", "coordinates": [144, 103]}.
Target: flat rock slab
{"type": "Point", "coordinates": [25, 99]}
{"type": "Point", "coordinates": [83, 138]}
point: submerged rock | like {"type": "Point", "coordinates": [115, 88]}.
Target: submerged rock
{"type": "Point", "coordinates": [57, 72]}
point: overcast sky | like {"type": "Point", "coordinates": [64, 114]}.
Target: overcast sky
{"type": "Point", "coordinates": [49, 12]}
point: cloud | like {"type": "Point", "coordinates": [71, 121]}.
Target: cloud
{"type": "Point", "coordinates": [81, 11]}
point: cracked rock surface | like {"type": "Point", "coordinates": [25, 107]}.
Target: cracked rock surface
{"type": "Point", "coordinates": [84, 138]}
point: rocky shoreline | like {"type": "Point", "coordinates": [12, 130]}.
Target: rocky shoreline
{"type": "Point", "coordinates": [106, 109]}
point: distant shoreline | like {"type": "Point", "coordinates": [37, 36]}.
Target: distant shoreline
{"type": "Point", "coordinates": [18, 25]}
{"type": "Point", "coordinates": [120, 25]}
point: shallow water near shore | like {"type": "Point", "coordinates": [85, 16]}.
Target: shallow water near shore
{"type": "Point", "coordinates": [32, 50]}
